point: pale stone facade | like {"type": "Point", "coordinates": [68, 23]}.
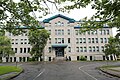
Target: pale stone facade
{"type": "Point", "coordinates": [65, 41]}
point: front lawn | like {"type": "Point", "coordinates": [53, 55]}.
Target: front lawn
{"type": "Point", "coordinates": [8, 69]}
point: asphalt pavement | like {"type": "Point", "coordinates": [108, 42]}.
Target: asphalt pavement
{"type": "Point", "coordinates": [64, 71]}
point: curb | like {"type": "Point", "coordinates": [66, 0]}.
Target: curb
{"type": "Point", "coordinates": [110, 72]}
{"type": "Point", "coordinates": [12, 76]}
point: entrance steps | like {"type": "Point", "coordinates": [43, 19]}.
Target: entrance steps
{"type": "Point", "coordinates": [59, 59]}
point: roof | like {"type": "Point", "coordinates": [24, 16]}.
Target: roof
{"type": "Point", "coordinates": [59, 15]}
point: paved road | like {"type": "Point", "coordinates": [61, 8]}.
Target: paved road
{"type": "Point", "coordinates": [65, 71]}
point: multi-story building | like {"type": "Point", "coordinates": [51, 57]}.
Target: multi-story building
{"type": "Point", "coordinates": [65, 41]}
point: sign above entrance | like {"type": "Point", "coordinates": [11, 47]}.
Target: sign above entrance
{"type": "Point", "coordinates": [59, 45]}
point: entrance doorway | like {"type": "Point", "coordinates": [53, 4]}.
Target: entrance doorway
{"type": "Point", "coordinates": [59, 52]}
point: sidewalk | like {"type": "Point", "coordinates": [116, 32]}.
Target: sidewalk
{"type": "Point", "coordinates": [114, 71]}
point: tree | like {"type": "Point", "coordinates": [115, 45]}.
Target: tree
{"type": "Point", "coordinates": [5, 46]}
{"type": "Point", "coordinates": [112, 47]}
{"type": "Point", "coordinates": [38, 40]}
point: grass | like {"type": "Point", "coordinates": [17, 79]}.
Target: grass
{"type": "Point", "coordinates": [8, 69]}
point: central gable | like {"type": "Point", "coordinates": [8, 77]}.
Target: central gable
{"type": "Point", "coordinates": [61, 16]}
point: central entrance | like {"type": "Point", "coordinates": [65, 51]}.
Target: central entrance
{"type": "Point", "coordinates": [59, 52]}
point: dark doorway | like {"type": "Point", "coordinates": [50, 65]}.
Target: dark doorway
{"type": "Point", "coordinates": [103, 57]}
{"type": "Point", "coordinates": [111, 57]}
{"type": "Point", "coordinates": [59, 52]}
{"type": "Point", "coordinates": [14, 59]}
{"type": "Point", "coordinates": [78, 58]}
{"type": "Point", "coordinates": [49, 58]}
{"type": "Point", "coordinates": [91, 58]}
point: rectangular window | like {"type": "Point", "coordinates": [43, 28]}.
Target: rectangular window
{"type": "Point", "coordinates": [96, 40]}
{"type": "Point", "coordinates": [68, 40]}
{"type": "Point", "coordinates": [100, 32]}
{"type": "Point", "coordinates": [92, 32]}
{"type": "Point", "coordinates": [89, 40]}
{"type": "Point", "coordinates": [55, 40]}
{"type": "Point", "coordinates": [104, 32]}
{"type": "Point", "coordinates": [105, 39]}
{"type": "Point", "coordinates": [68, 31]}
{"type": "Point", "coordinates": [81, 49]}
{"type": "Point", "coordinates": [77, 49]}
{"type": "Point", "coordinates": [108, 32]}
{"type": "Point", "coordinates": [93, 40]}
{"type": "Point", "coordinates": [62, 32]}
{"type": "Point", "coordinates": [15, 50]}
{"type": "Point", "coordinates": [88, 32]}
{"type": "Point", "coordinates": [93, 48]}
{"type": "Point", "coordinates": [76, 32]}
{"type": "Point", "coordinates": [97, 48]}
{"type": "Point", "coordinates": [101, 40]}
{"type": "Point", "coordinates": [59, 32]}
{"type": "Point", "coordinates": [90, 49]}
{"type": "Point", "coordinates": [77, 40]}
{"type": "Point", "coordinates": [20, 50]}
{"type": "Point", "coordinates": [62, 40]}
{"type": "Point", "coordinates": [49, 31]}
{"type": "Point", "coordinates": [59, 40]}
{"type": "Point", "coordinates": [28, 50]}
{"type": "Point", "coordinates": [49, 50]}
{"type": "Point", "coordinates": [84, 40]}
{"type": "Point", "coordinates": [55, 32]}
{"type": "Point", "coordinates": [85, 49]}
{"type": "Point", "coordinates": [69, 49]}
{"type": "Point", "coordinates": [49, 40]}
{"type": "Point", "coordinates": [80, 40]}
{"type": "Point", "coordinates": [24, 50]}
{"type": "Point", "coordinates": [102, 48]}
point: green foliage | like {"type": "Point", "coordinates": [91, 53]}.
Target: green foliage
{"type": "Point", "coordinates": [113, 47]}
{"type": "Point", "coordinates": [82, 58]}
{"type": "Point", "coordinates": [5, 46]}
{"type": "Point", "coordinates": [38, 40]}
{"type": "Point", "coordinates": [8, 69]}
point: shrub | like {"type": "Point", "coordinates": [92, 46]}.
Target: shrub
{"type": "Point", "coordinates": [82, 58]}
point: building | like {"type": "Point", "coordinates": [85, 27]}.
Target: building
{"type": "Point", "coordinates": [65, 41]}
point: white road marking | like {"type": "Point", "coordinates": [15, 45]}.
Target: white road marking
{"type": "Point", "coordinates": [86, 72]}
{"type": "Point", "coordinates": [39, 74]}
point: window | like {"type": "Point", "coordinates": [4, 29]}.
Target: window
{"type": "Point", "coordinates": [55, 40]}
{"type": "Point", "coordinates": [55, 32]}
{"type": "Point", "coordinates": [102, 48]}
{"type": "Point", "coordinates": [28, 50]}
{"type": "Point", "coordinates": [80, 40]}
{"type": "Point", "coordinates": [49, 31]}
{"type": "Point", "coordinates": [68, 31]}
{"type": "Point", "coordinates": [90, 49]}
{"type": "Point", "coordinates": [92, 32]}
{"type": "Point", "coordinates": [59, 40]}
{"type": "Point", "coordinates": [108, 32]}
{"type": "Point", "coordinates": [77, 49]}
{"type": "Point", "coordinates": [95, 32]}
{"type": "Point", "coordinates": [89, 40]}
{"type": "Point", "coordinates": [62, 40]}
{"type": "Point", "coordinates": [101, 32]}
{"type": "Point", "coordinates": [59, 32]}
{"type": "Point", "coordinates": [62, 32]}
{"type": "Point", "coordinates": [24, 50]}
{"type": "Point", "coordinates": [88, 32]}
{"type": "Point", "coordinates": [96, 40]}
{"type": "Point", "coordinates": [84, 40]}
{"type": "Point", "coordinates": [15, 50]}
{"type": "Point", "coordinates": [49, 40]}
{"type": "Point", "coordinates": [68, 40]}
{"type": "Point", "coordinates": [20, 50]}
{"type": "Point", "coordinates": [49, 50]}
{"type": "Point", "coordinates": [93, 40]}
{"type": "Point", "coordinates": [77, 40]}
{"type": "Point", "coordinates": [85, 49]}
{"type": "Point", "coordinates": [76, 32]}
{"type": "Point", "coordinates": [101, 40]}
{"type": "Point", "coordinates": [81, 49]}
{"type": "Point", "coordinates": [93, 48]}
{"type": "Point", "coordinates": [104, 32]}
{"type": "Point", "coordinates": [69, 49]}
{"type": "Point", "coordinates": [105, 39]}
{"type": "Point", "coordinates": [97, 48]}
